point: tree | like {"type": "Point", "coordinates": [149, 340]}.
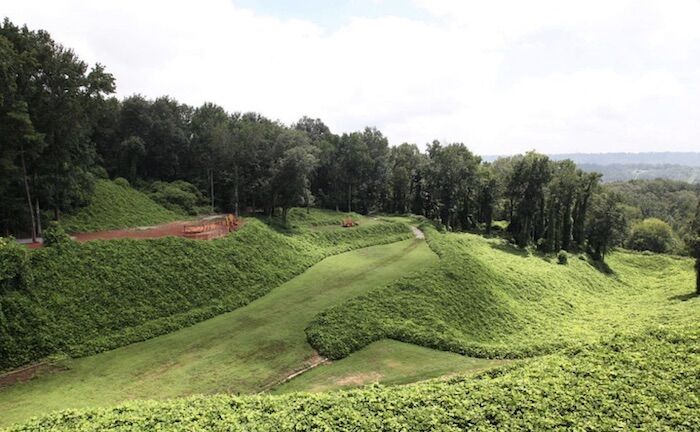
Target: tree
{"type": "Point", "coordinates": [526, 189]}
{"type": "Point", "coordinates": [651, 234]}
{"type": "Point", "coordinates": [292, 175]}
{"type": "Point", "coordinates": [404, 162]}
{"type": "Point", "coordinates": [606, 225]}
{"type": "Point", "coordinates": [452, 182]}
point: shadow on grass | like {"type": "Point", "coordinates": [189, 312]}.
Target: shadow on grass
{"type": "Point", "coordinates": [509, 248]}
{"type": "Point", "coordinates": [601, 266]}
{"type": "Point", "coordinates": [684, 297]}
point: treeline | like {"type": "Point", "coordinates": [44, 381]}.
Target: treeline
{"type": "Point", "coordinates": [62, 130]}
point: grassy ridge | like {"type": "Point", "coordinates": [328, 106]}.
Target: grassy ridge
{"type": "Point", "coordinates": [643, 382]}
{"type": "Point", "coordinates": [486, 299]}
{"type": "Point", "coordinates": [115, 206]}
{"type": "Point", "coordinates": [87, 298]}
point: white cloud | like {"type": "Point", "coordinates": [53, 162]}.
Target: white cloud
{"type": "Point", "coordinates": [502, 76]}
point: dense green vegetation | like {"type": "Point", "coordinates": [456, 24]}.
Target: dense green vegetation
{"type": "Point", "coordinates": [86, 298]}
{"type": "Point", "coordinates": [647, 382]}
{"type": "Point", "coordinates": [488, 299]}
{"type": "Point", "coordinates": [116, 205]}
{"type": "Point", "coordinates": [243, 351]}
{"type": "Point", "coordinates": [673, 202]}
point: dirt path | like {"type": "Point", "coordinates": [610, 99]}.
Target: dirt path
{"type": "Point", "coordinates": [418, 233]}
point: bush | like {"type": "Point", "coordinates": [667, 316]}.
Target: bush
{"type": "Point", "coordinates": [121, 181]}
{"type": "Point", "coordinates": [14, 265]}
{"type": "Point", "coordinates": [55, 235]}
{"type": "Point", "coordinates": [652, 235]}
{"type": "Point", "coordinates": [178, 196]}
{"type": "Point", "coordinates": [562, 257]}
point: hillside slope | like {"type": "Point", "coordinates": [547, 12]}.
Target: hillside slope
{"type": "Point", "coordinates": [91, 297]}
{"type": "Point", "coordinates": [115, 206]}
{"type": "Point", "coordinates": [488, 299]}
{"type": "Point", "coordinates": [244, 351]}
{"type": "Point", "coordinates": [643, 382]}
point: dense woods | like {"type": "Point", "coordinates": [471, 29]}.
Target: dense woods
{"type": "Point", "coordinates": [62, 131]}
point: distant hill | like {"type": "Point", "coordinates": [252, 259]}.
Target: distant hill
{"type": "Point", "coordinates": [624, 172]}
{"type": "Point", "coordinates": [679, 166]}
{"type": "Point", "coordinates": [649, 158]}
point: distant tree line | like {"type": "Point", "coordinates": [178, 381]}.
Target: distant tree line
{"type": "Point", "coordinates": [61, 130]}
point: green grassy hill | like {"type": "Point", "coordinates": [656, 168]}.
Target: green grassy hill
{"type": "Point", "coordinates": [605, 347]}
{"type": "Point", "coordinates": [488, 299]}
{"type": "Point", "coordinates": [244, 351]}
{"type": "Point", "coordinates": [643, 382]}
{"type": "Point", "coordinates": [115, 206]}
{"type": "Point", "coordinates": [91, 297]}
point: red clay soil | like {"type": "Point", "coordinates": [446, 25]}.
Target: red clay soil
{"type": "Point", "coordinates": [25, 373]}
{"type": "Point", "coordinates": [176, 229]}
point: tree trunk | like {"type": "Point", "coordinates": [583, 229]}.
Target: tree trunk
{"type": "Point", "coordinates": [211, 188]}
{"type": "Point", "coordinates": [39, 231]}
{"type": "Point", "coordinates": [29, 196]}
{"type": "Point", "coordinates": [350, 198]}
{"type": "Point", "coordinates": [235, 192]}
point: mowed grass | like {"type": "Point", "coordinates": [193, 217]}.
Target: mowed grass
{"type": "Point", "coordinates": [243, 351]}
{"type": "Point", "coordinates": [387, 362]}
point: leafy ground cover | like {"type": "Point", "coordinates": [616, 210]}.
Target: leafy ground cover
{"type": "Point", "coordinates": [116, 205]}
{"type": "Point", "coordinates": [87, 298]}
{"type": "Point", "coordinates": [247, 350]}
{"type": "Point", "coordinates": [487, 299]}
{"type": "Point", "coordinates": [642, 382]}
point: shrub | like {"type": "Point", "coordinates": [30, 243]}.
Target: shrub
{"type": "Point", "coordinates": [652, 235]}
{"type": "Point", "coordinates": [178, 196]}
{"type": "Point", "coordinates": [562, 257]}
{"type": "Point", "coordinates": [14, 265]}
{"type": "Point", "coordinates": [55, 235]}
{"type": "Point", "coordinates": [121, 181]}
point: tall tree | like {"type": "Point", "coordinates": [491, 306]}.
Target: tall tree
{"type": "Point", "coordinates": [526, 189]}
{"type": "Point", "coordinates": [606, 225]}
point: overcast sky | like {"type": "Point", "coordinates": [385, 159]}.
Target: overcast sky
{"type": "Point", "coordinates": [501, 76]}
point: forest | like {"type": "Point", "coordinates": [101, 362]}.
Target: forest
{"type": "Point", "coordinates": [63, 129]}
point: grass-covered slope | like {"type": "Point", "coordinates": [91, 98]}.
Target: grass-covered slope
{"type": "Point", "coordinates": [87, 298]}
{"type": "Point", "coordinates": [244, 351]}
{"type": "Point", "coordinates": [643, 382]}
{"type": "Point", "coordinates": [115, 205]}
{"type": "Point", "coordinates": [486, 299]}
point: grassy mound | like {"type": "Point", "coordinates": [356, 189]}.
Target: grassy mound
{"type": "Point", "coordinates": [486, 299]}
{"type": "Point", "coordinates": [91, 297]}
{"type": "Point", "coordinates": [115, 205]}
{"type": "Point", "coordinates": [646, 382]}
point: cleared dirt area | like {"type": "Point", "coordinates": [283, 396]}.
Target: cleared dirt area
{"type": "Point", "coordinates": [176, 229]}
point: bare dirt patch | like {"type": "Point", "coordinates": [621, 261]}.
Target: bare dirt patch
{"type": "Point", "coordinates": [359, 378]}
{"type": "Point", "coordinates": [26, 373]}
